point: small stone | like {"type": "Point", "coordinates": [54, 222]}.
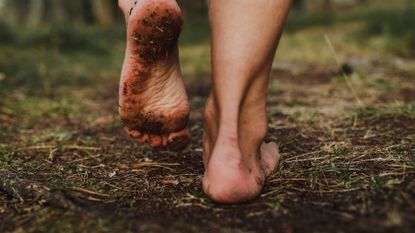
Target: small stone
{"type": "Point", "coordinates": [112, 174]}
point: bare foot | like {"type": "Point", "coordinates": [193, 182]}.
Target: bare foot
{"type": "Point", "coordinates": [153, 104]}
{"type": "Point", "coordinates": [237, 163]}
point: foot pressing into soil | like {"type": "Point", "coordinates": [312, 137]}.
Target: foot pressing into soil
{"type": "Point", "coordinates": [237, 162]}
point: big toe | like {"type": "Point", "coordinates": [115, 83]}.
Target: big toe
{"type": "Point", "coordinates": [133, 133]}
{"type": "Point", "coordinates": [156, 141]}
{"type": "Point", "coordinates": [270, 156]}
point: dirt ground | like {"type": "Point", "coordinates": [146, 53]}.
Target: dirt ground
{"type": "Point", "coordinates": [348, 161]}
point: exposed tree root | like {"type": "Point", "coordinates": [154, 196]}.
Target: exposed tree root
{"type": "Point", "coordinates": [27, 191]}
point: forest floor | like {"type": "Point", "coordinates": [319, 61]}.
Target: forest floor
{"type": "Point", "coordinates": [347, 142]}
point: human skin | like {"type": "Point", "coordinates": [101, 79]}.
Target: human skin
{"type": "Point", "coordinates": [245, 36]}
{"type": "Point", "coordinates": [153, 104]}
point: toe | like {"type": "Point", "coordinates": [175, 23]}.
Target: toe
{"type": "Point", "coordinates": [156, 141]}
{"type": "Point", "coordinates": [270, 156]}
{"type": "Point", "coordinates": [143, 138]}
{"type": "Point", "coordinates": [132, 133]}
{"type": "Point", "coordinates": [164, 139]}
{"type": "Point", "coordinates": [178, 140]}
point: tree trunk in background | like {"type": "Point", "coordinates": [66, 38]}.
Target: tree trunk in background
{"type": "Point", "coordinates": [2, 7]}
{"type": "Point", "coordinates": [35, 14]}
{"type": "Point", "coordinates": [327, 6]}
{"type": "Point", "coordinates": [102, 11]}
{"type": "Point", "coordinates": [14, 11]}
{"type": "Point", "coordinates": [55, 12]}
{"type": "Point", "coordinates": [75, 10]}
{"type": "Point", "coordinates": [410, 4]}
{"type": "Point", "coordinates": [298, 5]}
{"type": "Point", "coordinates": [193, 8]}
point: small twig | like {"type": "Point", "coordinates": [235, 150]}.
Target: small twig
{"type": "Point", "coordinates": [327, 191]}
{"type": "Point", "coordinates": [26, 190]}
{"type": "Point", "coordinates": [345, 76]}
{"type": "Point", "coordinates": [370, 160]}
{"type": "Point", "coordinates": [76, 147]}
{"type": "Point", "coordinates": [89, 192]}
{"type": "Point", "coordinates": [270, 192]}
{"type": "Point", "coordinates": [396, 174]}
{"type": "Point", "coordinates": [305, 160]}
{"type": "Point", "coordinates": [195, 204]}
{"type": "Point", "coordinates": [301, 155]}
{"type": "Point", "coordinates": [290, 179]}
{"type": "Point", "coordinates": [92, 167]}
{"type": "Point", "coordinates": [51, 156]}
{"type": "Point", "coordinates": [404, 166]}
{"type": "Point", "coordinates": [41, 147]}
{"type": "Point", "coordinates": [155, 164]}
{"type": "Point", "coordinates": [158, 28]}
{"type": "Point", "coordinates": [55, 147]}
{"type": "Point", "coordinates": [79, 160]}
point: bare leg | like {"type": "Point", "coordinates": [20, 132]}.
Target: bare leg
{"type": "Point", "coordinates": [245, 35]}
{"type": "Point", "coordinates": [153, 102]}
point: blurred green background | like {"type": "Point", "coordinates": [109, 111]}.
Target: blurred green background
{"type": "Point", "coordinates": [49, 44]}
{"type": "Point", "coordinates": [74, 49]}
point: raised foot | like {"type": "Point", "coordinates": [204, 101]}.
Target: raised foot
{"type": "Point", "coordinates": [231, 178]}
{"type": "Point", "coordinates": [153, 104]}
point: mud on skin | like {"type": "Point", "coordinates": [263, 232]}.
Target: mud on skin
{"type": "Point", "coordinates": [153, 101]}
{"type": "Point", "coordinates": [156, 35]}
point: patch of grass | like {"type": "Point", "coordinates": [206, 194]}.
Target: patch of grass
{"type": "Point", "coordinates": [41, 109]}
{"type": "Point", "coordinates": [196, 23]}
{"type": "Point", "coordinates": [44, 72]}
{"type": "Point", "coordinates": [196, 30]}
{"type": "Point", "coordinates": [299, 21]}
{"type": "Point", "coordinates": [64, 37]}
{"type": "Point", "coordinates": [306, 115]}
{"type": "Point", "coordinates": [7, 34]}
{"type": "Point", "coordinates": [56, 136]}
{"type": "Point", "coordinates": [87, 141]}
{"type": "Point", "coordinates": [407, 110]}
{"type": "Point", "coordinates": [380, 183]}
{"type": "Point", "coordinates": [336, 149]}
{"type": "Point", "coordinates": [7, 155]}
{"type": "Point", "coordinates": [195, 61]}
{"type": "Point", "coordinates": [395, 25]}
